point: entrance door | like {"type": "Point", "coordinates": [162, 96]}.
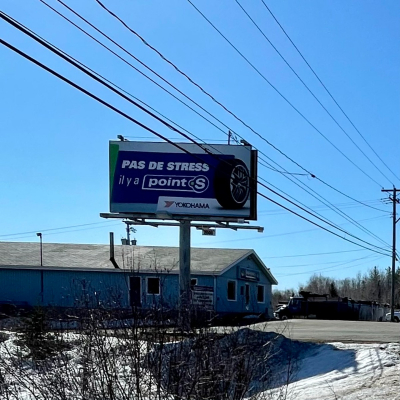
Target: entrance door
{"type": "Point", "coordinates": [135, 292]}
{"type": "Point", "coordinates": [247, 294]}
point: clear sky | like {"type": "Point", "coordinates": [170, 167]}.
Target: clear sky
{"type": "Point", "coordinates": [54, 139]}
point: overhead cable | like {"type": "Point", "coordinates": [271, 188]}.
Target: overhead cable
{"type": "Point", "coordinates": [226, 109]}
{"type": "Point", "coordinates": [324, 219]}
{"type": "Point", "coordinates": [333, 268]}
{"type": "Point", "coordinates": [53, 229]}
{"type": "Point", "coordinates": [327, 90]}
{"type": "Point", "coordinates": [310, 91]}
{"type": "Point", "coordinates": [122, 48]}
{"type": "Point", "coordinates": [5, 17]}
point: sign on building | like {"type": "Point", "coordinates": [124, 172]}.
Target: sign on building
{"type": "Point", "coordinates": [203, 296]}
{"type": "Point", "coordinates": [159, 179]}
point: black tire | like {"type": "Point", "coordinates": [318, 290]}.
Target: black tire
{"type": "Point", "coordinates": [396, 319]}
{"type": "Point", "coordinates": [232, 184]}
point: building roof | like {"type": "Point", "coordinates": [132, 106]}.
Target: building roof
{"type": "Point", "coordinates": [136, 258]}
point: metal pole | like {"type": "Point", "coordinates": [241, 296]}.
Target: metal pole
{"type": "Point", "coordinates": [184, 275]}
{"type": "Point", "coordinates": [41, 251]}
{"type": "Point", "coordinates": [41, 265]}
{"type": "Point", "coordinates": [393, 255]}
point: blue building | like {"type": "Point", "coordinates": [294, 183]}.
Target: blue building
{"type": "Point", "coordinates": [225, 281]}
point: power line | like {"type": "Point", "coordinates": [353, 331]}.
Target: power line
{"type": "Point", "coordinates": [282, 96]}
{"type": "Point", "coordinates": [6, 18]}
{"type": "Point", "coordinates": [164, 58]}
{"type": "Point", "coordinates": [60, 233]}
{"type": "Point", "coordinates": [326, 89]}
{"type": "Point", "coordinates": [309, 90]}
{"type": "Point", "coordinates": [198, 86]}
{"type": "Point", "coordinates": [318, 263]}
{"type": "Point", "coordinates": [33, 33]}
{"type": "Point", "coordinates": [332, 268]}
{"type": "Point", "coordinates": [272, 235]}
{"type": "Point", "coordinates": [53, 229]}
{"type": "Point", "coordinates": [122, 48]}
{"type": "Point", "coordinates": [329, 204]}
{"type": "Point", "coordinates": [156, 83]}
{"type": "Point", "coordinates": [166, 81]}
{"type": "Point", "coordinates": [313, 254]}
{"type": "Point", "coordinates": [145, 42]}
{"type": "Point", "coordinates": [349, 197]}
{"type": "Point", "coordinates": [321, 207]}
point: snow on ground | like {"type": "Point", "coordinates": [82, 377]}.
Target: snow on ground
{"type": "Point", "coordinates": [349, 372]}
{"type": "Point", "coordinates": [324, 372]}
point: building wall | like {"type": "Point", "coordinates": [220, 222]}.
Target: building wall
{"type": "Point", "coordinates": [17, 286]}
{"type": "Point", "coordinates": [66, 288]}
{"type": "Point", "coordinates": [241, 304]}
{"type": "Point", "coordinates": [86, 289]}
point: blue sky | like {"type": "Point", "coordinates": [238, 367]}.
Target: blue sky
{"type": "Point", "coordinates": [54, 161]}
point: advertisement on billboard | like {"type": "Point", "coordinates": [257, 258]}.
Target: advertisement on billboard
{"type": "Point", "coordinates": [162, 179]}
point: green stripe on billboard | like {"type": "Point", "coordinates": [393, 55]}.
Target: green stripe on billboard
{"type": "Point", "coordinates": [114, 149]}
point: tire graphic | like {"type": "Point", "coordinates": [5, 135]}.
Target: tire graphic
{"type": "Point", "coordinates": [232, 184]}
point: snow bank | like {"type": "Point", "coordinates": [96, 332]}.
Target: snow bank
{"type": "Point", "coordinates": [348, 372]}
{"type": "Point", "coordinates": [312, 371]}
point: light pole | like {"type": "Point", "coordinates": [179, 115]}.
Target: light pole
{"type": "Point", "coordinates": [41, 248]}
{"type": "Point", "coordinates": [41, 264]}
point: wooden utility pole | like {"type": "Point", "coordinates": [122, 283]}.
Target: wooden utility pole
{"type": "Point", "coordinates": [395, 201]}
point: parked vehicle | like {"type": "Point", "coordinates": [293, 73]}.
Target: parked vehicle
{"type": "Point", "coordinates": [396, 316]}
{"type": "Point", "coordinates": [323, 306]}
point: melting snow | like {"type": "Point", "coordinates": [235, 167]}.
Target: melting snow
{"type": "Point", "coordinates": [349, 372]}
{"type": "Point", "coordinates": [327, 372]}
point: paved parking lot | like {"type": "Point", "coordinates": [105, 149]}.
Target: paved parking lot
{"type": "Point", "coordinates": [335, 331]}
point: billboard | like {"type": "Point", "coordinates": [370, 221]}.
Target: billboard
{"type": "Point", "coordinates": [160, 179]}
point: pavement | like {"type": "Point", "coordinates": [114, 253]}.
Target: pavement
{"type": "Point", "coordinates": [321, 331]}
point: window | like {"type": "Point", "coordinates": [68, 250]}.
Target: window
{"type": "Point", "coordinates": [193, 282]}
{"type": "Point", "coordinates": [232, 290]}
{"type": "Point", "coordinates": [153, 285]}
{"type": "Point", "coordinates": [260, 294]}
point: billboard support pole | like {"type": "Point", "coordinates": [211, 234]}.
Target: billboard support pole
{"type": "Point", "coordinates": [184, 274]}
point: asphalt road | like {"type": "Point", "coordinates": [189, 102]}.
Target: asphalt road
{"type": "Point", "coordinates": [314, 330]}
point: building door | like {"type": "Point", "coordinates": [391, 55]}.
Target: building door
{"type": "Point", "coordinates": [247, 293]}
{"type": "Point", "coordinates": [135, 291]}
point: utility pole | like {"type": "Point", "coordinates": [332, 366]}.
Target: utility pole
{"type": "Point", "coordinates": [395, 201]}
{"type": "Point", "coordinates": [129, 229]}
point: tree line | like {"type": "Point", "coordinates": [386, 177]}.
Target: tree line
{"type": "Point", "coordinates": [374, 285]}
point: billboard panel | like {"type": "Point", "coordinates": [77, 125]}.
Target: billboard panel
{"type": "Point", "coordinates": [162, 179]}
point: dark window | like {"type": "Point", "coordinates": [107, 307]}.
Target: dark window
{"type": "Point", "coordinates": [260, 294]}
{"type": "Point", "coordinates": [193, 282]}
{"type": "Point", "coordinates": [247, 294]}
{"type": "Point", "coordinates": [153, 285]}
{"type": "Point", "coordinates": [231, 290]}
